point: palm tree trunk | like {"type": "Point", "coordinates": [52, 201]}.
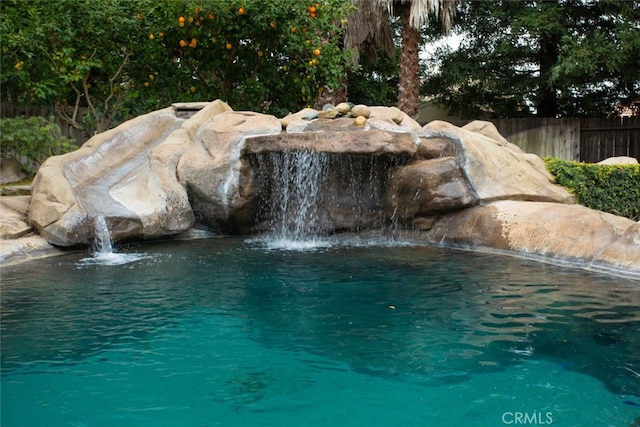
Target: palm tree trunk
{"type": "Point", "coordinates": [409, 74]}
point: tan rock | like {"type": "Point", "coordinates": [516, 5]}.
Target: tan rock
{"type": "Point", "coordinates": [372, 142]}
{"type": "Point", "coordinates": [11, 170]}
{"type": "Point", "coordinates": [24, 249]}
{"type": "Point", "coordinates": [208, 112]}
{"type": "Point", "coordinates": [550, 231]}
{"type": "Point", "coordinates": [330, 113]}
{"type": "Point", "coordinates": [213, 170]}
{"type": "Point", "coordinates": [495, 171]}
{"type": "Point", "coordinates": [433, 148]}
{"type": "Point", "coordinates": [343, 108]}
{"type": "Point", "coordinates": [361, 110]}
{"type": "Point", "coordinates": [303, 114]}
{"type": "Point", "coordinates": [360, 121]}
{"type": "Point", "coordinates": [427, 187]}
{"type": "Point", "coordinates": [108, 176]}
{"type": "Point", "coordinates": [13, 217]}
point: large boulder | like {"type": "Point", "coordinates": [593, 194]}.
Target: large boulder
{"type": "Point", "coordinates": [110, 176]}
{"type": "Point", "coordinates": [573, 234]}
{"type": "Point", "coordinates": [216, 175]}
{"type": "Point", "coordinates": [497, 170]}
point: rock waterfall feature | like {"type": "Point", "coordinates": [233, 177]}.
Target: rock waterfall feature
{"type": "Point", "coordinates": [245, 172]}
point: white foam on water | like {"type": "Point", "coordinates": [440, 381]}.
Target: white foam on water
{"type": "Point", "coordinates": [102, 247]}
{"type": "Point", "coordinates": [113, 258]}
{"type": "Point", "coordinates": [285, 244]}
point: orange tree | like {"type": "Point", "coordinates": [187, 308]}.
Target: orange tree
{"type": "Point", "coordinates": [100, 63]}
{"type": "Point", "coordinates": [74, 56]}
{"type": "Point", "coordinates": [274, 57]}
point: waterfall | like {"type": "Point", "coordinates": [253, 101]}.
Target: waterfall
{"type": "Point", "coordinates": [294, 200]}
{"type": "Point", "coordinates": [102, 237]}
{"type": "Point", "coordinates": [305, 195]}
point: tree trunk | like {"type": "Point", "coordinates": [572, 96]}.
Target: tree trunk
{"type": "Point", "coordinates": [547, 104]}
{"type": "Point", "coordinates": [409, 74]}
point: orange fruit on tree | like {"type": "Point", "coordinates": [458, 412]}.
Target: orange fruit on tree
{"type": "Point", "coordinates": [151, 36]}
{"type": "Point", "coordinates": [272, 24]}
{"type": "Point", "coordinates": [311, 9]}
{"type": "Point", "coordinates": [183, 43]}
{"type": "Point", "coordinates": [228, 46]}
{"type": "Point", "coordinates": [211, 16]}
{"type": "Point", "coordinates": [196, 10]}
{"type": "Point", "coordinates": [193, 43]}
{"type": "Point", "coordinates": [241, 11]}
{"type": "Point", "coordinates": [317, 52]}
{"type": "Point", "coordinates": [198, 23]}
{"type": "Point", "coordinates": [293, 29]}
{"type": "Point", "coordinates": [181, 20]}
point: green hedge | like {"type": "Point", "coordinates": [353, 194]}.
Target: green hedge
{"type": "Point", "coordinates": [32, 140]}
{"type": "Point", "coordinates": [609, 188]}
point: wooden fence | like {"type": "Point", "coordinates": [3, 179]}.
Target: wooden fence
{"type": "Point", "coordinates": [587, 140]}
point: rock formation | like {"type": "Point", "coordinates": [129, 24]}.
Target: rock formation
{"type": "Point", "coordinates": [161, 173]}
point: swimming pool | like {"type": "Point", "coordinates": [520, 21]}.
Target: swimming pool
{"type": "Point", "coordinates": [235, 332]}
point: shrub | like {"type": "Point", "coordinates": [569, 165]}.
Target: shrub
{"type": "Point", "coordinates": [32, 140]}
{"type": "Point", "coordinates": [609, 188]}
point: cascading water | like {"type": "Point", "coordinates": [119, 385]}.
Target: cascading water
{"type": "Point", "coordinates": [305, 195]}
{"type": "Point", "coordinates": [293, 205]}
{"type": "Point", "coordinates": [102, 247]}
{"type": "Point", "coordinates": [102, 238]}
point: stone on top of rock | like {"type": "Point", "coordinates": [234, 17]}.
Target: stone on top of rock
{"type": "Point", "coordinates": [304, 114]}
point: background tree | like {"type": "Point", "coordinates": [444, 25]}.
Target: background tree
{"type": "Point", "coordinates": [413, 15]}
{"type": "Point", "coordinates": [369, 29]}
{"type": "Point", "coordinates": [550, 58]}
{"type": "Point", "coordinates": [70, 54]}
{"type": "Point", "coordinates": [116, 58]}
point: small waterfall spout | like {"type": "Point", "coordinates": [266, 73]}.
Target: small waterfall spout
{"type": "Point", "coordinates": [102, 238]}
{"type": "Point", "coordinates": [102, 248]}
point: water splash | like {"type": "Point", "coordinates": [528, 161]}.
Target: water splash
{"type": "Point", "coordinates": [102, 247]}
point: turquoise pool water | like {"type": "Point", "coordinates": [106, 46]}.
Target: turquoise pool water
{"type": "Point", "coordinates": [232, 332]}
